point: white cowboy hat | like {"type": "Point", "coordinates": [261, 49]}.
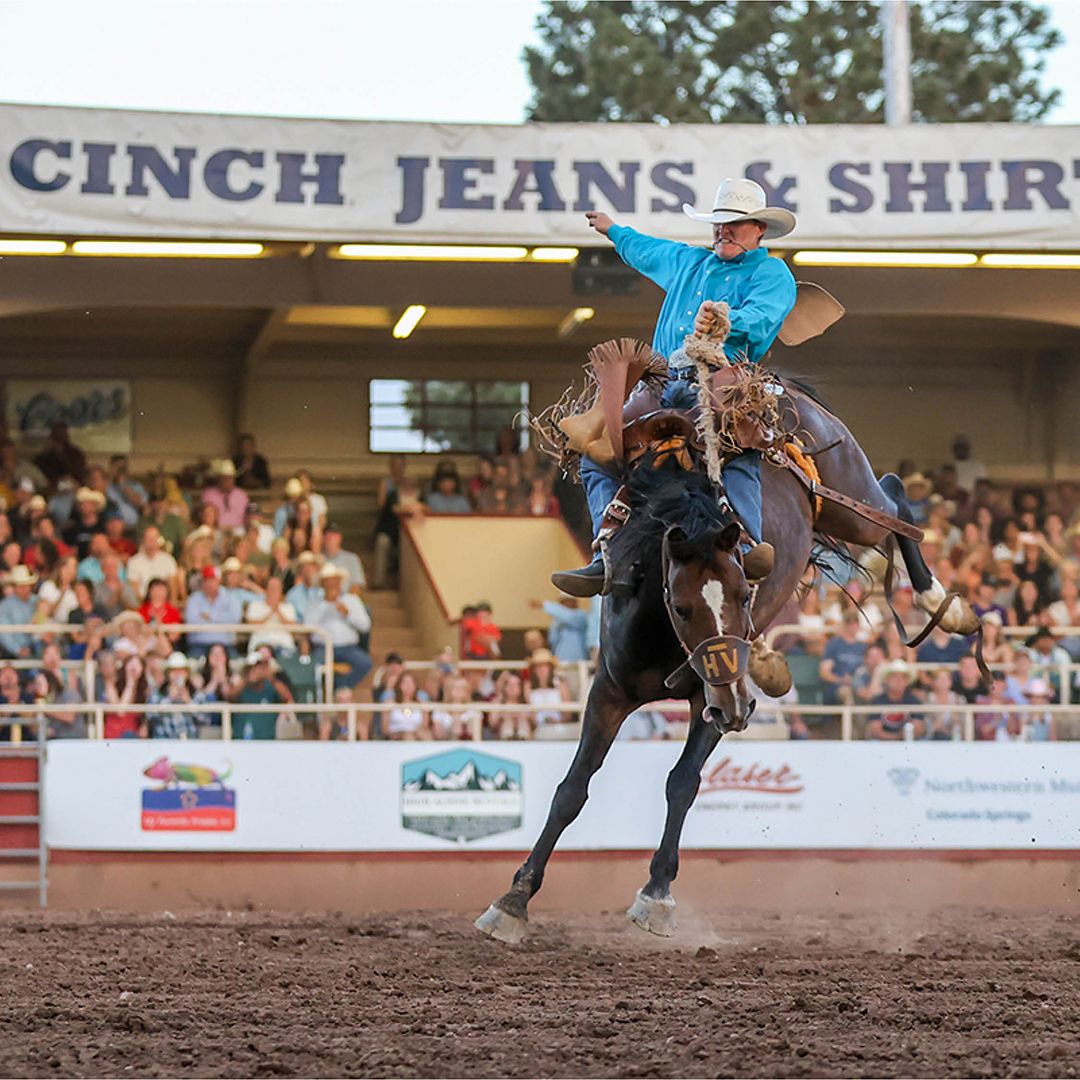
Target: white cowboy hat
{"type": "Point", "coordinates": [744, 200]}
{"type": "Point", "coordinates": [22, 575]}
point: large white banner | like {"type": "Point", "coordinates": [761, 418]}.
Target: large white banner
{"type": "Point", "coordinates": [204, 796]}
{"type": "Point", "coordinates": [102, 172]}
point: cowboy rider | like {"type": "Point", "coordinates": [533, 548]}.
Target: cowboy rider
{"type": "Point", "coordinates": [760, 292]}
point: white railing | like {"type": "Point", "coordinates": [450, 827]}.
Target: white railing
{"type": "Point", "coordinates": [41, 630]}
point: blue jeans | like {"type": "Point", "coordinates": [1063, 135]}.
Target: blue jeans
{"type": "Point", "coordinates": [359, 663]}
{"type": "Point", "coordinates": [741, 475]}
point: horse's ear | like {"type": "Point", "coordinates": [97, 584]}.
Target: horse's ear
{"type": "Point", "coordinates": [674, 538]}
{"type": "Point", "coordinates": [728, 537]}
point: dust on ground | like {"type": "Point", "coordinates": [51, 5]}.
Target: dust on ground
{"type": "Point", "coordinates": [252, 994]}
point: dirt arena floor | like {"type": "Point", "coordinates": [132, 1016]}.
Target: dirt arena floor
{"type": "Point", "coordinates": [250, 994]}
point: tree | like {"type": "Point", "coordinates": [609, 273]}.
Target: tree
{"type": "Point", "coordinates": [792, 61]}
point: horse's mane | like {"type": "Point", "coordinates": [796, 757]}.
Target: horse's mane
{"type": "Point", "coordinates": [669, 496]}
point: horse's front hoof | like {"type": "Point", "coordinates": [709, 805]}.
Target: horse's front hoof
{"type": "Point", "coordinates": [656, 916]}
{"type": "Point", "coordinates": [498, 924]}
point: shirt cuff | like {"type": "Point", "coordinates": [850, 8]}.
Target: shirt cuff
{"type": "Point", "coordinates": [617, 231]}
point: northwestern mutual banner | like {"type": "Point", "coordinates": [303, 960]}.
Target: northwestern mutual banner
{"type": "Point", "coordinates": [79, 172]}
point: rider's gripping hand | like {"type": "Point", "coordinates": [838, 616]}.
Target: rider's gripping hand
{"type": "Point", "coordinates": [600, 222]}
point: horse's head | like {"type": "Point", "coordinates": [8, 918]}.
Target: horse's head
{"type": "Point", "coordinates": [708, 601]}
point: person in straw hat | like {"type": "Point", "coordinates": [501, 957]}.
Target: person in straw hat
{"type": "Point", "coordinates": [898, 678]}
{"type": "Point", "coordinates": [344, 617]}
{"type": "Point", "coordinates": [17, 609]}
{"type": "Point", "coordinates": [731, 281]}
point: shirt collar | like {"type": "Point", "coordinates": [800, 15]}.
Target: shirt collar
{"type": "Point", "coordinates": [747, 257]}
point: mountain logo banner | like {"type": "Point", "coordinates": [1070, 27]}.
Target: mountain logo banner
{"type": "Point", "coordinates": [461, 795]}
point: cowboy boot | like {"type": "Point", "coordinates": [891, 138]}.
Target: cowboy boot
{"type": "Point", "coordinates": [586, 582]}
{"type": "Point", "coordinates": [758, 562]}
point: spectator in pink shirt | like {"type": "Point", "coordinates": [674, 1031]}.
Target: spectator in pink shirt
{"type": "Point", "coordinates": [231, 501]}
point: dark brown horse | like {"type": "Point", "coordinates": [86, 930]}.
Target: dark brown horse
{"type": "Point", "coordinates": [682, 593]}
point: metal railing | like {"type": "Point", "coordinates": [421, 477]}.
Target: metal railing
{"type": "Point", "coordinates": [42, 630]}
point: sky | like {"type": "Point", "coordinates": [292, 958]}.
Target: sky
{"type": "Point", "coordinates": [436, 60]}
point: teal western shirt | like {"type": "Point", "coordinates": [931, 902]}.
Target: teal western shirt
{"type": "Point", "coordinates": [759, 289]}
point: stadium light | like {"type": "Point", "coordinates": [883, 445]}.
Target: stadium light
{"type": "Point", "coordinates": [554, 254]}
{"type": "Point", "coordinates": [1033, 261]}
{"type": "Point", "coordinates": [574, 320]}
{"type": "Point", "coordinates": [168, 249]}
{"type": "Point", "coordinates": [410, 317]}
{"type": "Point", "coordinates": [32, 247]}
{"type": "Point", "coordinates": [885, 258]}
{"type": "Point", "coordinates": [431, 252]}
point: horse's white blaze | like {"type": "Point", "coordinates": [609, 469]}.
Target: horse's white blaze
{"type": "Point", "coordinates": [712, 592]}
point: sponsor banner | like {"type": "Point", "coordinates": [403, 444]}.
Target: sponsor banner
{"type": "Point", "coordinates": [200, 796]}
{"type": "Point", "coordinates": [91, 171]}
{"type": "Point", "coordinates": [98, 411]}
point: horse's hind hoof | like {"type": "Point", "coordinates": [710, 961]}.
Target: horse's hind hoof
{"type": "Point", "coordinates": [656, 916]}
{"type": "Point", "coordinates": [498, 924]}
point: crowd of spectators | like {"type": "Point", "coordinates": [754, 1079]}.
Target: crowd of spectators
{"type": "Point", "coordinates": [120, 560]}
{"type": "Point", "coordinates": [519, 484]}
{"type": "Point", "coordinates": [1014, 553]}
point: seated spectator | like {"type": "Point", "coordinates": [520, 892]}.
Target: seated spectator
{"type": "Point", "coordinates": [480, 637]}
{"type": "Point", "coordinates": [60, 457]}
{"type": "Point", "coordinates": [336, 725]}
{"type": "Point", "coordinates": [345, 618]}
{"type": "Point", "coordinates": [996, 647]}
{"type": "Point", "coordinates": [260, 687]}
{"type": "Point", "coordinates": [482, 480]}
{"type": "Point", "coordinates": [218, 682]}
{"type": "Point", "coordinates": [51, 688]}
{"type": "Point", "coordinates": [127, 496]}
{"type": "Point", "coordinates": [1046, 653]}
{"type": "Point", "coordinates": [252, 470]}
{"type": "Point", "coordinates": [843, 656]}
{"type": "Point", "coordinates": [405, 721]}
{"type": "Point", "coordinates": [151, 561]}
{"type": "Point", "coordinates": [446, 496]}
{"type": "Point", "coordinates": [944, 725]}
{"type": "Point", "coordinates": [229, 500]}
{"type": "Point", "coordinates": [502, 724]}
{"type": "Point", "coordinates": [281, 566]}
{"type": "Point", "coordinates": [156, 611]}
{"type": "Point", "coordinates": [176, 690]}
{"type": "Point", "coordinates": [271, 614]}
{"type": "Point", "coordinates": [918, 489]}
{"type": "Point", "coordinates": [1027, 605]}
{"type": "Point", "coordinates": [18, 609]}
{"type": "Point", "coordinates": [866, 681]}
{"type": "Point", "coordinates": [121, 722]}
{"type": "Point", "coordinates": [539, 501]}
{"type": "Point", "coordinates": [209, 518]}
{"type": "Point", "coordinates": [171, 526]}
{"type": "Point", "coordinates": [303, 531]}
{"type": "Point", "coordinates": [967, 682]}
{"type": "Point", "coordinates": [210, 605]}
{"type": "Point", "coordinates": [90, 565]}
{"type": "Point", "coordinates": [26, 511]}
{"type": "Point", "coordinates": [1065, 611]}
{"type": "Point", "coordinates": [13, 469]}
{"type": "Point", "coordinates": [546, 688]}
{"type": "Point", "coordinates": [346, 560]}
{"type": "Point", "coordinates": [85, 615]}
{"type": "Point", "coordinates": [112, 593]}
{"type": "Point", "coordinates": [56, 598]}
{"type": "Point", "coordinates": [308, 591]}
{"type": "Point", "coordinates": [196, 556]}
{"type": "Point", "coordinates": [942, 648]}
{"type": "Point", "coordinates": [988, 723]}
{"type": "Point", "coordinates": [236, 580]}
{"type": "Point", "coordinates": [456, 725]}
{"type": "Point", "coordinates": [891, 723]}
{"type": "Point", "coordinates": [320, 510]}
{"type": "Point", "coordinates": [645, 724]}
{"type": "Point", "coordinates": [11, 694]}
{"type": "Point", "coordinates": [88, 522]}
{"type": "Point", "coordinates": [122, 547]}
{"type": "Point", "coordinates": [129, 636]}
{"type": "Point", "coordinates": [294, 493]}
{"type": "Point", "coordinates": [258, 529]}
{"type": "Point", "coordinates": [1039, 727]}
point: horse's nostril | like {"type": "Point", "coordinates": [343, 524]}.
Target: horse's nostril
{"type": "Point", "coordinates": [716, 716]}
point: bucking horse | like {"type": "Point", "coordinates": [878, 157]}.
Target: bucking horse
{"type": "Point", "coordinates": [679, 618]}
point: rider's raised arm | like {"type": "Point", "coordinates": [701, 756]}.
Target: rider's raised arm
{"type": "Point", "coordinates": [755, 323]}
{"type": "Point", "coordinates": [659, 260]}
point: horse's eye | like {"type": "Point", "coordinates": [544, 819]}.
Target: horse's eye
{"type": "Point", "coordinates": [683, 613]}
